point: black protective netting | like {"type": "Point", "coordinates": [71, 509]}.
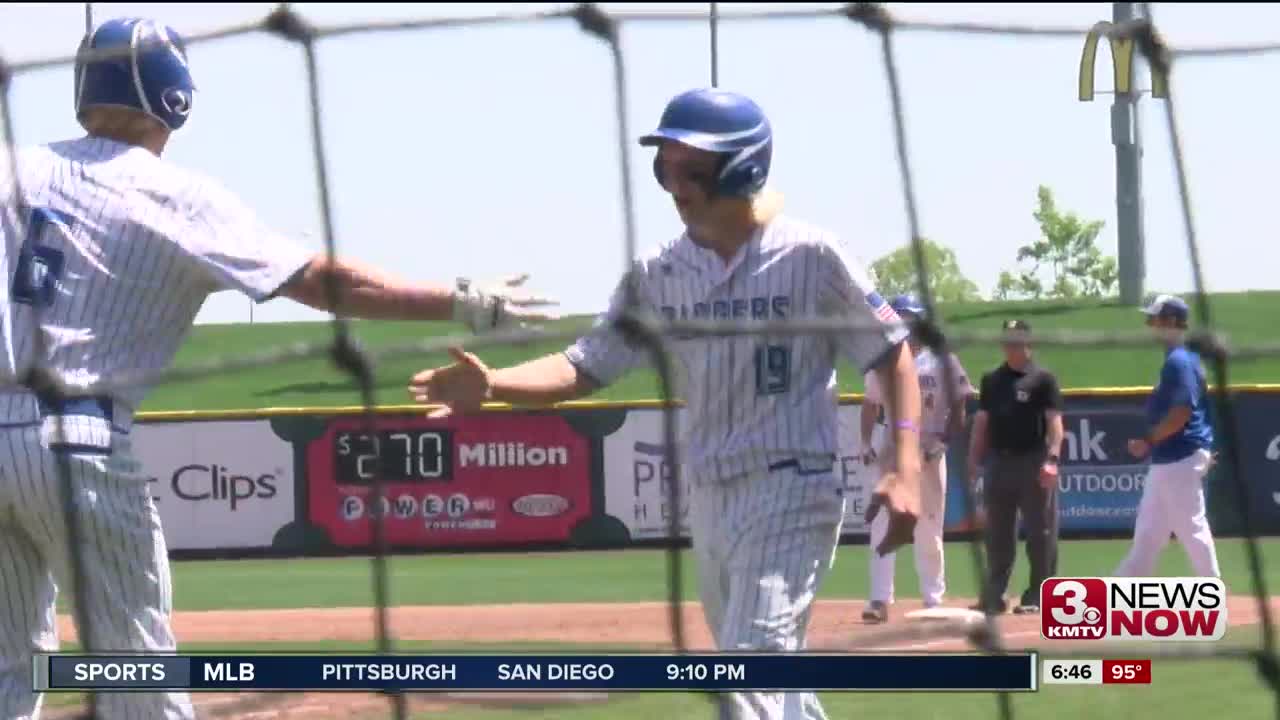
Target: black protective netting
{"type": "Point", "coordinates": [653, 333]}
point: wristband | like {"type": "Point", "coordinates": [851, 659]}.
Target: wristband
{"type": "Point", "coordinates": [906, 425]}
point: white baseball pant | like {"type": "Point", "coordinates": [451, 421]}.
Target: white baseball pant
{"type": "Point", "coordinates": [1173, 502]}
{"type": "Point", "coordinates": [764, 542]}
{"type": "Point", "coordinates": [125, 562]}
{"type": "Point", "coordinates": [927, 541]}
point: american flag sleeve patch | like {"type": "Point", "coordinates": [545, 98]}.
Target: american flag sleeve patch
{"type": "Point", "coordinates": [881, 309]}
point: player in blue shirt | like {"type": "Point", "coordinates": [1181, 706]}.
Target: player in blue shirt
{"type": "Point", "coordinates": [1179, 441]}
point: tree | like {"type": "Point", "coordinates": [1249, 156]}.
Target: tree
{"type": "Point", "coordinates": [896, 273]}
{"type": "Point", "coordinates": [1068, 247]}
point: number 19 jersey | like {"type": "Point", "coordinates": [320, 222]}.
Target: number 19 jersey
{"type": "Point", "coordinates": [752, 400]}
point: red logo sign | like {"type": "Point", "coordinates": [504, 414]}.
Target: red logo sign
{"type": "Point", "coordinates": [1073, 608]}
{"type": "Point", "coordinates": [500, 478]}
{"type": "Point", "coordinates": [1178, 609]}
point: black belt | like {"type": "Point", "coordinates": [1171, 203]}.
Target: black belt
{"type": "Point", "coordinates": [90, 406]}
{"type": "Point", "coordinates": [793, 463]}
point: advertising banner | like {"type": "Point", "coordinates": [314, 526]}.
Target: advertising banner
{"type": "Point", "coordinates": [1101, 484]}
{"type": "Point", "coordinates": [224, 485]}
{"type": "Point", "coordinates": [636, 475]}
{"type": "Point", "coordinates": [503, 478]}
{"type": "Point", "coordinates": [1257, 422]}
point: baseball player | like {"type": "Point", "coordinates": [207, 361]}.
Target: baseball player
{"type": "Point", "coordinates": [941, 420]}
{"type": "Point", "coordinates": [765, 506]}
{"type": "Point", "coordinates": [109, 252]}
{"type": "Point", "coordinates": [1180, 444]}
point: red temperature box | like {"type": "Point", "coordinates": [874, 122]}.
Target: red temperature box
{"type": "Point", "coordinates": [1126, 672]}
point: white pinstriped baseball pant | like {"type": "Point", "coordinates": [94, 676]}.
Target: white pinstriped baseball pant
{"type": "Point", "coordinates": [764, 541]}
{"type": "Point", "coordinates": [927, 540]}
{"type": "Point", "coordinates": [125, 562]}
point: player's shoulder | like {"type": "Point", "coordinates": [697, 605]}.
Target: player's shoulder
{"type": "Point", "coordinates": [658, 258]}
{"type": "Point", "coordinates": [788, 231]}
{"type": "Point", "coordinates": [1182, 357]}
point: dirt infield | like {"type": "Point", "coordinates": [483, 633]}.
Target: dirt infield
{"type": "Point", "coordinates": [836, 625]}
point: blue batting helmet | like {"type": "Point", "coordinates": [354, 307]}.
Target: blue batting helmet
{"type": "Point", "coordinates": [907, 304]}
{"type": "Point", "coordinates": [720, 122]}
{"type": "Point", "coordinates": [150, 74]}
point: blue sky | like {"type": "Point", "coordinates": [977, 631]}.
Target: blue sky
{"type": "Point", "coordinates": [489, 150]}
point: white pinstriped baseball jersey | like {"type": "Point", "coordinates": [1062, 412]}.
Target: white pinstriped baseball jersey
{"type": "Point", "coordinates": [118, 250]}
{"type": "Point", "coordinates": [935, 413]}
{"type": "Point", "coordinates": [753, 400]}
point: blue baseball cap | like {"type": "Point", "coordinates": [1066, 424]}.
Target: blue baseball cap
{"type": "Point", "coordinates": [1168, 306]}
{"type": "Point", "coordinates": [907, 304]}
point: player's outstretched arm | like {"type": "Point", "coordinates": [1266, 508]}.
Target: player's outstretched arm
{"type": "Point", "coordinates": [237, 251]}
{"type": "Point", "coordinates": [468, 383]}
{"type": "Point", "coordinates": [367, 292]}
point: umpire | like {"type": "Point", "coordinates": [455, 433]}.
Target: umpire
{"type": "Point", "coordinates": [1019, 428]}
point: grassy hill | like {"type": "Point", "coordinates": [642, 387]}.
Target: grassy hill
{"type": "Point", "coordinates": [1244, 317]}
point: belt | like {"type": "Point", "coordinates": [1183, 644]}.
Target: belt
{"type": "Point", "coordinates": [99, 407]}
{"type": "Point", "coordinates": [34, 409]}
{"type": "Point", "coordinates": [793, 463]}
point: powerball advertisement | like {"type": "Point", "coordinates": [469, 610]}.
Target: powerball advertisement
{"type": "Point", "coordinates": [487, 479]}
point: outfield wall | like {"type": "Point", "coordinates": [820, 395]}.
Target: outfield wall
{"type": "Point", "coordinates": [298, 481]}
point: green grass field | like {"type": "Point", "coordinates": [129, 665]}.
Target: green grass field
{"type": "Point", "coordinates": [1180, 689]}
{"type": "Point", "coordinates": [1191, 689]}
{"type": "Point", "coordinates": [1244, 317]}
{"type": "Point", "coordinates": [611, 576]}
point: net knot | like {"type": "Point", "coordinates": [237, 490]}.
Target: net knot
{"type": "Point", "coordinates": [985, 636]}
{"type": "Point", "coordinates": [351, 358]}
{"type": "Point", "coordinates": [283, 21]}
{"type": "Point", "coordinates": [928, 333]}
{"type": "Point", "coordinates": [873, 16]}
{"type": "Point", "coordinates": [44, 383]}
{"type": "Point", "coordinates": [1149, 42]}
{"type": "Point", "coordinates": [1208, 345]}
{"type": "Point", "coordinates": [1268, 669]}
{"type": "Point", "coordinates": [595, 21]}
{"type": "Point", "coordinates": [634, 328]}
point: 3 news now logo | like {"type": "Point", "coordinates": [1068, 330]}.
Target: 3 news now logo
{"type": "Point", "coordinates": [1143, 608]}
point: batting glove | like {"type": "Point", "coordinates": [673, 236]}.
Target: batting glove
{"type": "Point", "coordinates": [496, 307]}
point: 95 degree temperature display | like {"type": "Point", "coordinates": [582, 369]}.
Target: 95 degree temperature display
{"type": "Point", "coordinates": [1097, 672]}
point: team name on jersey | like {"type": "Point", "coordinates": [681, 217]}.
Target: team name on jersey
{"type": "Point", "coordinates": [759, 307]}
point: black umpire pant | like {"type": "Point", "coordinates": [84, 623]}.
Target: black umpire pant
{"type": "Point", "coordinates": [1013, 485]}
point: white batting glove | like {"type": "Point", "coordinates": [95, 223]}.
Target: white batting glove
{"type": "Point", "coordinates": [485, 309]}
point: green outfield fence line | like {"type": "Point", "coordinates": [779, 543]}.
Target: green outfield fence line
{"type": "Point", "coordinates": [179, 415]}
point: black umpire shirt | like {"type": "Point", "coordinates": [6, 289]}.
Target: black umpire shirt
{"type": "Point", "coordinates": [1015, 402]}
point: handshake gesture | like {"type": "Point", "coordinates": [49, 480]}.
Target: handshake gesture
{"type": "Point", "coordinates": [497, 307]}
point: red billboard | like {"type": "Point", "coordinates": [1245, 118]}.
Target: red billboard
{"type": "Point", "coordinates": [489, 479]}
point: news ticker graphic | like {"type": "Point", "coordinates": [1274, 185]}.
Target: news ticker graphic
{"type": "Point", "coordinates": [1177, 609]}
{"type": "Point", "coordinates": [566, 673]}
{"type": "Point", "coordinates": [1097, 672]}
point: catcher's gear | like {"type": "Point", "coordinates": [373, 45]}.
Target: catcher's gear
{"type": "Point", "coordinates": [484, 309]}
{"type": "Point", "coordinates": [720, 122]}
{"type": "Point", "coordinates": [150, 74]}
